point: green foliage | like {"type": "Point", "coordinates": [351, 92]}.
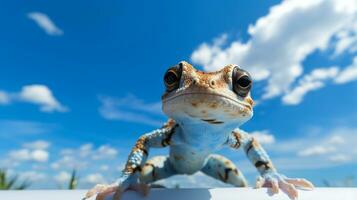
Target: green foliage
{"type": "Point", "coordinates": [7, 183]}
{"type": "Point", "coordinates": [73, 182]}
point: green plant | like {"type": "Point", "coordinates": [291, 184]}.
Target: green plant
{"type": "Point", "coordinates": [73, 181]}
{"type": "Point", "coordinates": [7, 183]}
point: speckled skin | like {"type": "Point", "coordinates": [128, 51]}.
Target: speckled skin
{"type": "Point", "coordinates": [205, 114]}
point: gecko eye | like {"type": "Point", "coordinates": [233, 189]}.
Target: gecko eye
{"type": "Point", "coordinates": [242, 82]}
{"type": "Point", "coordinates": [172, 77]}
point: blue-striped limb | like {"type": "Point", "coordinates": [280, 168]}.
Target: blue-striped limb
{"type": "Point", "coordinates": [130, 176]}
{"type": "Point", "coordinates": [260, 159]}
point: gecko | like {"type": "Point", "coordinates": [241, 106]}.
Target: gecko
{"type": "Point", "coordinates": [205, 111]}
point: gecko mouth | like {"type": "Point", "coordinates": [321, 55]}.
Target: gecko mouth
{"type": "Point", "coordinates": [246, 105]}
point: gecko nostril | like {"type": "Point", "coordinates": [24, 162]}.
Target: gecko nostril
{"type": "Point", "coordinates": [213, 83]}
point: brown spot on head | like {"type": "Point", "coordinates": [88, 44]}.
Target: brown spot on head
{"type": "Point", "coordinates": [203, 111]}
{"type": "Point", "coordinates": [178, 157]}
{"type": "Point", "coordinates": [235, 171]}
{"type": "Point", "coordinates": [250, 101]}
{"type": "Point", "coordinates": [213, 105]}
{"type": "Point", "coordinates": [194, 104]}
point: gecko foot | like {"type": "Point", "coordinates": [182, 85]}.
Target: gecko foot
{"type": "Point", "coordinates": [104, 190]}
{"type": "Point", "coordinates": [289, 186]}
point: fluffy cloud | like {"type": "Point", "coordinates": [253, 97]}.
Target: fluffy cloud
{"type": "Point", "coordinates": [316, 150]}
{"type": "Point", "coordinates": [348, 74]}
{"type": "Point", "coordinates": [45, 23]}
{"type": "Point", "coordinates": [346, 40]}
{"type": "Point", "coordinates": [131, 109]}
{"type": "Point", "coordinates": [31, 151]}
{"type": "Point", "coordinates": [37, 155]}
{"type": "Point", "coordinates": [313, 81]}
{"type": "Point", "coordinates": [41, 95]}
{"type": "Point", "coordinates": [264, 137]}
{"type": "Point", "coordinates": [323, 150]}
{"type": "Point", "coordinates": [80, 158]}
{"type": "Point", "coordinates": [39, 144]}
{"type": "Point", "coordinates": [280, 41]}
{"type": "Point", "coordinates": [62, 177]}
{"type": "Point", "coordinates": [36, 94]}
{"type": "Point", "coordinates": [94, 178]}
{"type": "Point", "coordinates": [33, 176]}
{"type": "Point", "coordinates": [105, 152]}
{"type": "Point", "coordinates": [317, 79]}
{"type": "Point", "coordinates": [4, 97]}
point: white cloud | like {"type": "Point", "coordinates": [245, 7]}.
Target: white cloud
{"type": "Point", "coordinates": [44, 22]}
{"type": "Point", "coordinates": [80, 158]}
{"type": "Point", "coordinates": [346, 40]}
{"type": "Point", "coordinates": [131, 109]}
{"type": "Point", "coordinates": [69, 162]}
{"type": "Point", "coordinates": [313, 81]}
{"type": "Point", "coordinates": [36, 94]}
{"type": "Point", "coordinates": [32, 176]}
{"type": "Point", "coordinates": [85, 150]}
{"type": "Point", "coordinates": [280, 41]}
{"type": "Point", "coordinates": [43, 96]}
{"type": "Point", "coordinates": [94, 178]}
{"type": "Point", "coordinates": [264, 137]}
{"type": "Point", "coordinates": [32, 151]}
{"type": "Point", "coordinates": [21, 154]}
{"type": "Point", "coordinates": [336, 139]}
{"type": "Point", "coordinates": [105, 152]}
{"type": "Point", "coordinates": [348, 74]}
{"type": "Point", "coordinates": [62, 177]}
{"type": "Point", "coordinates": [316, 150]}
{"type": "Point", "coordinates": [39, 144]}
{"type": "Point", "coordinates": [340, 158]}
{"type": "Point", "coordinates": [37, 155]}
{"type": "Point", "coordinates": [104, 168]}
{"type": "Point", "coordinates": [40, 155]}
{"type": "Point", "coordinates": [4, 97]}
{"type": "Point", "coordinates": [324, 149]}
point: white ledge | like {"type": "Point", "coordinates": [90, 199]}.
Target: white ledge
{"type": "Point", "coordinates": [188, 194]}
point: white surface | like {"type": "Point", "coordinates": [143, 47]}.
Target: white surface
{"type": "Point", "coordinates": [189, 194]}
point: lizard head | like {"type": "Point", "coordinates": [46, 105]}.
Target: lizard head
{"type": "Point", "coordinates": [207, 97]}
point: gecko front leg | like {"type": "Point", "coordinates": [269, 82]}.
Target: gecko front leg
{"type": "Point", "coordinates": [260, 159]}
{"type": "Point", "coordinates": [130, 176]}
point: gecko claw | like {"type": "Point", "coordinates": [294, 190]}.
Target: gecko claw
{"type": "Point", "coordinates": [289, 186]}
{"type": "Point", "coordinates": [99, 188]}
{"type": "Point", "coordinates": [300, 183]}
{"type": "Point", "coordinates": [103, 191]}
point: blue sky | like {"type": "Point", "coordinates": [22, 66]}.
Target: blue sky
{"type": "Point", "coordinates": [80, 81]}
